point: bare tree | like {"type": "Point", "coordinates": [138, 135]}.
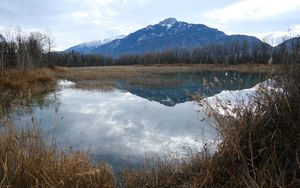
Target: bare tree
{"type": "Point", "coordinates": [21, 47]}
{"type": "Point", "coordinates": [2, 45]}
{"type": "Point", "coordinates": [49, 44]}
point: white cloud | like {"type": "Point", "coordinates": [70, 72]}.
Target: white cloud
{"type": "Point", "coordinates": [79, 15]}
{"type": "Point", "coordinates": [276, 37]}
{"type": "Point", "coordinates": [76, 21]}
{"type": "Point", "coordinates": [252, 10]}
{"type": "Point", "coordinates": [72, 21]}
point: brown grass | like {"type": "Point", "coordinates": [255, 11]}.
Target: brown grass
{"type": "Point", "coordinates": [121, 72]}
{"type": "Point", "coordinates": [18, 85]}
{"type": "Point", "coordinates": [148, 75]}
{"type": "Point", "coordinates": [27, 161]}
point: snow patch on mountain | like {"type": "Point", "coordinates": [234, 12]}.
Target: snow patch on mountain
{"type": "Point", "coordinates": [95, 43]}
{"type": "Point", "coordinates": [108, 40]}
{"type": "Point", "coordinates": [169, 22]}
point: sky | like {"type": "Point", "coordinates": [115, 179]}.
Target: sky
{"type": "Point", "coordinates": [71, 22]}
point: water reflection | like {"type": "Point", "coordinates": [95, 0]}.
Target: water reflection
{"type": "Point", "coordinates": [187, 83]}
{"type": "Point", "coordinates": [119, 124]}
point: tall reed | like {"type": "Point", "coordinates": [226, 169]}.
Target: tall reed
{"type": "Point", "coordinates": [26, 160]}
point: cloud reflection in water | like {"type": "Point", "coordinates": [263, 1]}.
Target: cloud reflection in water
{"type": "Point", "coordinates": [120, 123]}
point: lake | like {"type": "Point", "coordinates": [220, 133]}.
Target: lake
{"type": "Point", "coordinates": [123, 125]}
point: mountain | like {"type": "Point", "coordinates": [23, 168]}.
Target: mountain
{"type": "Point", "coordinates": [88, 47]}
{"type": "Point", "coordinates": [287, 51]}
{"type": "Point", "coordinates": [290, 44]}
{"type": "Point", "coordinates": [167, 34]}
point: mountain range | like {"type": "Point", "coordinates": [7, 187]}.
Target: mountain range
{"type": "Point", "coordinates": [167, 34]}
{"type": "Point", "coordinates": [88, 47]}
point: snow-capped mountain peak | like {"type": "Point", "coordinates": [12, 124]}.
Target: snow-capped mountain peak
{"type": "Point", "coordinates": [167, 34]}
{"type": "Point", "coordinates": [169, 22]}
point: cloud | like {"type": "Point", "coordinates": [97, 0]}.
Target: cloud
{"type": "Point", "coordinates": [252, 10]}
{"type": "Point", "coordinates": [276, 37]}
{"type": "Point", "coordinates": [71, 21]}
{"type": "Point", "coordinates": [76, 21]}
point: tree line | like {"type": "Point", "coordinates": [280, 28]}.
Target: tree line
{"type": "Point", "coordinates": [231, 53]}
{"type": "Point", "coordinates": [28, 50]}
{"type": "Point", "coordinates": [23, 50]}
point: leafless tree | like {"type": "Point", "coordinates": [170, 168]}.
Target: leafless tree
{"type": "Point", "coordinates": [2, 45]}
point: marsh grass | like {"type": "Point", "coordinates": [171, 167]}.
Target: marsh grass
{"type": "Point", "coordinates": [107, 77]}
{"type": "Point", "coordinates": [18, 86]}
{"type": "Point", "coordinates": [27, 161]}
{"type": "Point", "coordinates": [151, 75]}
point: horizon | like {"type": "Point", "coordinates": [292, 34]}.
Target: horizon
{"type": "Point", "coordinates": [76, 22]}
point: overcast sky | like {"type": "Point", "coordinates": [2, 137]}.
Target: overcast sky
{"type": "Point", "coordinates": [75, 21]}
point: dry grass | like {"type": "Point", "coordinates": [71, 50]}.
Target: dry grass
{"type": "Point", "coordinates": [18, 85]}
{"type": "Point", "coordinates": [27, 161]}
{"type": "Point", "coordinates": [148, 76]}
{"type": "Point", "coordinates": [168, 172]}
{"type": "Point", "coordinates": [123, 72]}
{"type": "Point", "coordinates": [95, 73]}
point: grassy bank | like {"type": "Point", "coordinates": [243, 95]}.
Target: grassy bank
{"type": "Point", "coordinates": [106, 77]}
{"type": "Point", "coordinates": [124, 72]}
{"type": "Point", "coordinates": [18, 86]}
{"type": "Point", "coordinates": [26, 161]}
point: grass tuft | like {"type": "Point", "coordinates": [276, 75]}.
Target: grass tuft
{"type": "Point", "coordinates": [17, 85]}
{"type": "Point", "coordinates": [27, 161]}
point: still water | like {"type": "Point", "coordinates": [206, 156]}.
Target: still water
{"type": "Point", "coordinates": [123, 125]}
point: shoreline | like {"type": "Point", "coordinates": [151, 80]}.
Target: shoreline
{"type": "Point", "coordinates": [151, 75]}
{"type": "Point", "coordinates": [160, 68]}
